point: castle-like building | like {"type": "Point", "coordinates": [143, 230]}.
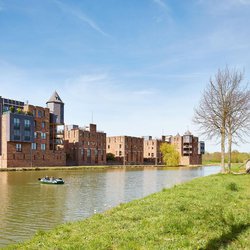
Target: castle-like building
{"type": "Point", "coordinates": [34, 136]}
{"type": "Point", "coordinates": [29, 134]}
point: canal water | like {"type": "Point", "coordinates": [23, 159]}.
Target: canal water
{"type": "Point", "coordinates": [27, 206]}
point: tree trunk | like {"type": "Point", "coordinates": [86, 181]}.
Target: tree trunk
{"type": "Point", "coordinates": [223, 150]}
{"type": "Point", "coordinates": [229, 150]}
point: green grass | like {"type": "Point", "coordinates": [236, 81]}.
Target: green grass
{"type": "Point", "coordinates": [235, 167]}
{"type": "Point", "coordinates": [207, 213]}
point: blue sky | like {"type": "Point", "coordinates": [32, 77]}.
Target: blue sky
{"type": "Point", "coordinates": [139, 66]}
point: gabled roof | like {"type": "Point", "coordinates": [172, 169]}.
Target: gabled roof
{"type": "Point", "coordinates": [188, 132]}
{"type": "Point", "coordinates": [55, 98]}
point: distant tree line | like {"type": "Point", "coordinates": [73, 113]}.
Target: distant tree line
{"type": "Point", "coordinates": [236, 157]}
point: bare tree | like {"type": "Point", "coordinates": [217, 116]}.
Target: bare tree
{"type": "Point", "coordinates": [221, 112]}
{"type": "Point", "coordinates": [238, 120]}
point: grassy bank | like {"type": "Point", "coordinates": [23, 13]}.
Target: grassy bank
{"type": "Point", "coordinates": [235, 167]}
{"type": "Point", "coordinates": [206, 213]}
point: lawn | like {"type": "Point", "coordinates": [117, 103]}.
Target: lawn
{"type": "Point", "coordinates": [206, 213]}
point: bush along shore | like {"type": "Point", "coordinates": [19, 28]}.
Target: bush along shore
{"type": "Point", "coordinates": [206, 213]}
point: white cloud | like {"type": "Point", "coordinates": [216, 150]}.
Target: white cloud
{"type": "Point", "coordinates": [223, 5]}
{"type": "Point", "coordinates": [161, 3]}
{"type": "Point", "coordinates": [1, 6]}
{"type": "Point", "coordinates": [80, 15]}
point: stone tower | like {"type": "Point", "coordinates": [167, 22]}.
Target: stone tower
{"type": "Point", "coordinates": [56, 107]}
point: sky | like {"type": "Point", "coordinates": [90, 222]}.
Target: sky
{"type": "Point", "coordinates": [134, 68]}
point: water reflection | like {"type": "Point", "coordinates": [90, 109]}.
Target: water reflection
{"type": "Point", "coordinates": [28, 206]}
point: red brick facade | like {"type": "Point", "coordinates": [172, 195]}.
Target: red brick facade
{"type": "Point", "coordinates": [152, 153]}
{"type": "Point", "coordinates": [31, 154]}
{"type": "Point", "coordinates": [131, 147]}
{"type": "Point", "coordinates": [188, 148]}
{"type": "Point", "coordinates": [84, 146]}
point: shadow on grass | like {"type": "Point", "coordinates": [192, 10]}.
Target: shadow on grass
{"type": "Point", "coordinates": [227, 238]}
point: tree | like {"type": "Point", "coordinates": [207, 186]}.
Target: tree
{"type": "Point", "coordinates": [12, 109]}
{"type": "Point", "coordinates": [222, 109]}
{"type": "Point", "coordinates": [171, 156]}
{"type": "Point", "coordinates": [238, 121]}
{"type": "Point", "coordinates": [19, 111]}
{"type": "Point", "coordinates": [110, 157]}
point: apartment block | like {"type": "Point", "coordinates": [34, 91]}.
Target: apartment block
{"type": "Point", "coordinates": [84, 146]}
{"type": "Point", "coordinates": [25, 138]}
{"type": "Point", "coordinates": [127, 149]}
{"type": "Point", "coordinates": [5, 105]}
{"type": "Point", "coordinates": [152, 153]}
{"type": "Point", "coordinates": [189, 147]}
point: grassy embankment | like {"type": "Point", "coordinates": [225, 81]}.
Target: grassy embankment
{"type": "Point", "coordinates": [206, 213]}
{"type": "Point", "coordinates": [235, 167]}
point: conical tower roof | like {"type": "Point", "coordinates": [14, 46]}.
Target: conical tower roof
{"type": "Point", "coordinates": [188, 132]}
{"type": "Point", "coordinates": [55, 98]}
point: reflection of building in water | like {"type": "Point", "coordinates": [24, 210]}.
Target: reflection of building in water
{"type": "Point", "coordinates": [4, 198]}
{"type": "Point", "coordinates": [115, 184]}
{"type": "Point", "coordinates": [149, 181]}
{"type": "Point", "coordinates": [28, 206]}
{"type": "Point", "coordinates": [88, 197]}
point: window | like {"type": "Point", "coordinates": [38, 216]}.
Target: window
{"type": "Point", "coordinates": [19, 147]}
{"type": "Point", "coordinates": [43, 124]}
{"type": "Point", "coordinates": [35, 135]}
{"type": "Point", "coordinates": [43, 146]}
{"type": "Point", "coordinates": [108, 146]}
{"type": "Point", "coordinates": [34, 112]}
{"type": "Point", "coordinates": [27, 124]}
{"type": "Point", "coordinates": [17, 135]}
{"type": "Point", "coordinates": [27, 135]}
{"type": "Point", "coordinates": [40, 113]}
{"type": "Point", "coordinates": [34, 146]}
{"type": "Point", "coordinates": [88, 152]}
{"type": "Point", "coordinates": [43, 135]}
{"type": "Point", "coordinates": [16, 123]}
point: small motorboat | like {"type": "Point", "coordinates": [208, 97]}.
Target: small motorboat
{"type": "Point", "coordinates": [51, 180]}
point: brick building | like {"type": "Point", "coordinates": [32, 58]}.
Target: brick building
{"type": "Point", "coordinates": [151, 150]}
{"type": "Point", "coordinates": [5, 105]}
{"type": "Point", "coordinates": [25, 138]}
{"type": "Point", "coordinates": [189, 147]}
{"type": "Point", "coordinates": [130, 147]}
{"type": "Point", "coordinates": [84, 146]}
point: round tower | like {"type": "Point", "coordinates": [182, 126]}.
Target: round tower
{"type": "Point", "coordinates": [56, 107]}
